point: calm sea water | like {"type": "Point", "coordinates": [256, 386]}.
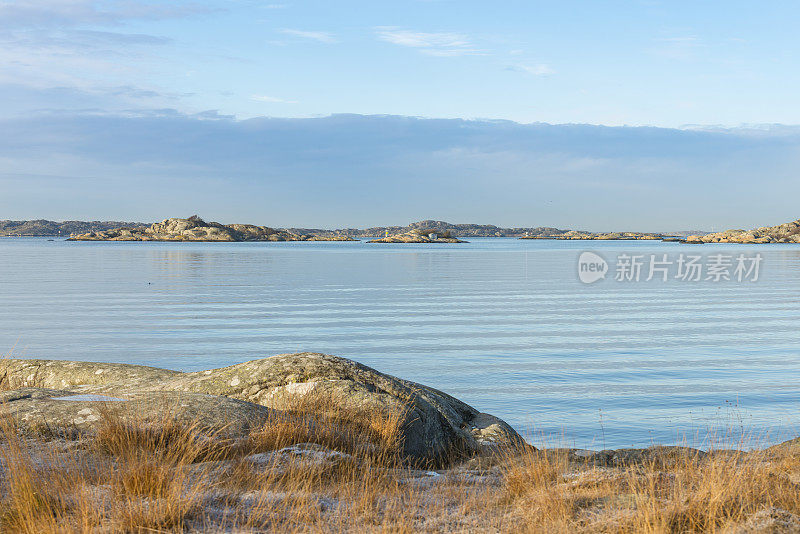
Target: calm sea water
{"type": "Point", "coordinates": [503, 324]}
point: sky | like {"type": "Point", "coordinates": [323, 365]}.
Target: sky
{"type": "Point", "coordinates": [642, 115]}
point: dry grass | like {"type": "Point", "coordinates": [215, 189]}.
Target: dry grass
{"type": "Point", "coordinates": [41, 487]}
{"type": "Point", "coordinates": [316, 417]}
{"type": "Point", "coordinates": [163, 439]}
{"type": "Point", "coordinates": [164, 476]}
{"type": "Point", "coordinates": [153, 481]}
{"type": "Point", "coordinates": [718, 492]}
{"type": "Point", "coordinates": [158, 475]}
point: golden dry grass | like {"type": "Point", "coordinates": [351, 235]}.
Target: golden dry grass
{"type": "Point", "coordinates": [164, 476]}
{"type": "Point", "coordinates": [154, 474]}
{"type": "Point", "coordinates": [689, 492]}
{"type": "Point", "coordinates": [315, 417]}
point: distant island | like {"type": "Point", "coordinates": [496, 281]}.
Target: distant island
{"type": "Point", "coordinates": [490, 230]}
{"type": "Point", "coordinates": [624, 236]}
{"type": "Point", "coordinates": [44, 228]}
{"type": "Point", "coordinates": [423, 235]}
{"type": "Point", "coordinates": [782, 233]}
{"type": "Point", "coordinates": [440, 227]}
{"type": "Point", "coordinates": [196, 229]}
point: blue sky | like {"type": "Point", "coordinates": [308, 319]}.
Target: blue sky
{"type": "Point", "coordinates": [183, 66]}
{"type": "Point", "coordinates": [612, 62]}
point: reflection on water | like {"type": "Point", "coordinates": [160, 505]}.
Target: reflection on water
{"type": "Point", "coordinates": [503, 324]}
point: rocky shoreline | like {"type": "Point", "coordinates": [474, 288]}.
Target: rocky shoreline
{"type": "Point", "coordinates": [313, 442]}
{"type": "Point", "coordinates": [59, 394]}
{"type": "Point", "coordinates": [434, 425]}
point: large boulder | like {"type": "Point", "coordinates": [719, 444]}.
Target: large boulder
{"type": "Point", "coordinates": [435, 424]}
{"type": "Point", "coordinates": [435, 427]}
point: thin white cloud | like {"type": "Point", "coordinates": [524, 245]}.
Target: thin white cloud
{"type": "Point", "coordinates": [680, 39]}
{"type": "Point", "coordinates": [537, 70]}
{"type": "Point", "coordinates": [64, 13]}
{"type": "Point", "coordinates": [685, 47]}
{"type": "Point", "coordinates": [431, 43]}
{"type": "Point", "coordinates": [423, 40]}
{"type": "Point", "coordinates": [322, 37]}
{"type": "Point", "coordinates": [74, 49]}
{"type": "Point", "coordinates": [78, 59]}
{"type": "Point", "coordinates": [272, 99]}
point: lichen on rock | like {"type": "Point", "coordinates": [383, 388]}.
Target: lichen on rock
{"type": "Point", "coordinates": [434, 426]}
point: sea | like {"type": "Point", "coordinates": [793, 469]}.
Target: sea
{"type": "Point", "coordinates": [590, 344]}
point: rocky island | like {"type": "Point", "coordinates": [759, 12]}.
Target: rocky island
{"type": "Point", "coordinates": [196, 229]}
{"type": "Point", "coordinates": [419, 236]}
{"type": "Point", "coordinates": [42, 227]}
{"type": "Point", "coordinates": [576, 234]}
{"type": "Point", "coordinates": [782, 233]}
{"type": "Point", "coordinates": [462, 230]}
{"type": "Point", "coordinates": [316, 443]}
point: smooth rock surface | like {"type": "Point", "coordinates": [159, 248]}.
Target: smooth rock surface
{"type": "Point", "coordinates": [435, 426]}
{"type": "Point", "coordinates": [18, 373]}
{"type": "Point", "coordinates": [42, 410]}
{"type": "Point", "coordinates": [308, 454]}
{"type": "Point", "coordinates": [624, 457]}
